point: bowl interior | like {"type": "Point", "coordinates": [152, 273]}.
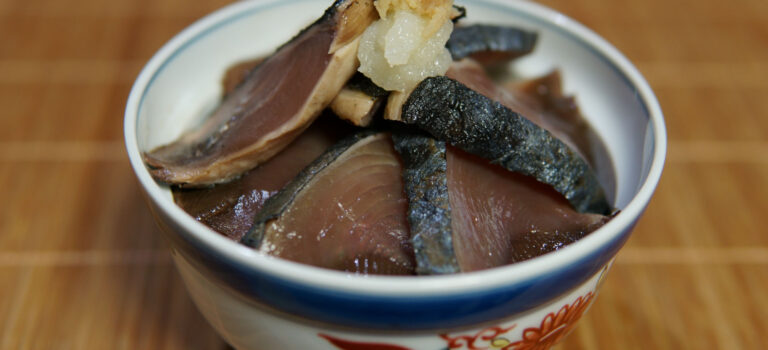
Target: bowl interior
{"type": "Point", "coordinates": [181, 84]}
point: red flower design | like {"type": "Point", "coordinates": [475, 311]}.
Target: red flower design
{"type": "Point", "coordinates": [553, 327]}
{"type": "Point", "coordinates": [350, 345]}
{"type": "Point", "coordinates": [486, 335]}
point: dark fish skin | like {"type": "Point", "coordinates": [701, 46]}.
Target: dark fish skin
{"type": "Point", "coordinates": [278, 203]}
{"type": "Point", "coordinates": [347, 23]}
{"type": "Point", "coordinates": [429, 210]}
{"type": "Point", "coordinates": [468, 120]}
{"type": "Point", "coordinates": [459, 13]}
{"type": "Point", "coordinates": [364, 84]}
{"type": "Point", "coordinates": [507, 42]}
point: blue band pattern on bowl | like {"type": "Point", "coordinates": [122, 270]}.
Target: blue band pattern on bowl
{"type": "Point", "coordinates": [387, 313]}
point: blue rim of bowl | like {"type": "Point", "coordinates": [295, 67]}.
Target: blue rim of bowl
{"type": "Point", "coordinates": [435, 291]}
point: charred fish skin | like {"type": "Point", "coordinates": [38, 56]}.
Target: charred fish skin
{"type": "Point", "coordinates": [278, 203]}
{"type": "Point", "coordinates": [348, 16]}
{"type": "Point", "coordinates": [364, 84]}
{"type": "Point", "coordinates": [468, 120]}
{"type": "Point", "coordinates": [429, 210]}
{"type": "Point", "coordinates": [460, 12]}
{"type": "Point", "coordinates": [468, 40]}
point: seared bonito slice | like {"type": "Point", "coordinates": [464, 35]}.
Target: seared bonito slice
{"type": "Point", "coordinates": [453, 113]}
{"type": "Point", "coordinates": [346, 211]}
{"type": "Point", "coordinates": [272, 106]}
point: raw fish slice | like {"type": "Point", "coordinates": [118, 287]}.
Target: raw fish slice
{"type": "Point", "coordinates": [275, 103]}
{"type": "Point", "coordinates": [346, 211]}
{"type": "Point", "coordinates": [490, 44]}
{"type": "Point", "coordinates": [231, 207]}
{"type": "Point", "coordinates": [468, 120]}
{"type": "Point", "coordinates": [357, 102]}
{"type": "Point", "coordinates": [429, 210]}
{"type": "Point", "coordinates": [237, 73]}
{"type": "Point", "coordinates": [502, 217]}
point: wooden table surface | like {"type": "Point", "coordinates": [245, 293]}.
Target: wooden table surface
{"type": "Point", "coordinates": [82, 265]}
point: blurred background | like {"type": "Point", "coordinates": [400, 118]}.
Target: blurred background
{"type": "Point", "coordinates": [82, 265]}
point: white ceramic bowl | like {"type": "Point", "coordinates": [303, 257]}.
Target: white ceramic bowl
{"type": "Point", "coordinates": [259, 302]}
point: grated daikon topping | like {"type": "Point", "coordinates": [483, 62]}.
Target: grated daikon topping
{"type": "Point", "coordinates": [437, 11]}
{"type": "Point", "coordinates": [396, 56]}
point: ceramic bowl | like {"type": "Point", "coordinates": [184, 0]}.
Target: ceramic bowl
{"type": "Point", "coordinates": [259, 302]}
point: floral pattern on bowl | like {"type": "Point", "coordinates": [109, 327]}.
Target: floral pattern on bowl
{"type": "Point", "coordinates": [552, 329]}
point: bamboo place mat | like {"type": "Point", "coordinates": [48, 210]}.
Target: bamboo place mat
{"type": "Point", "coordinates": [82, 265]}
